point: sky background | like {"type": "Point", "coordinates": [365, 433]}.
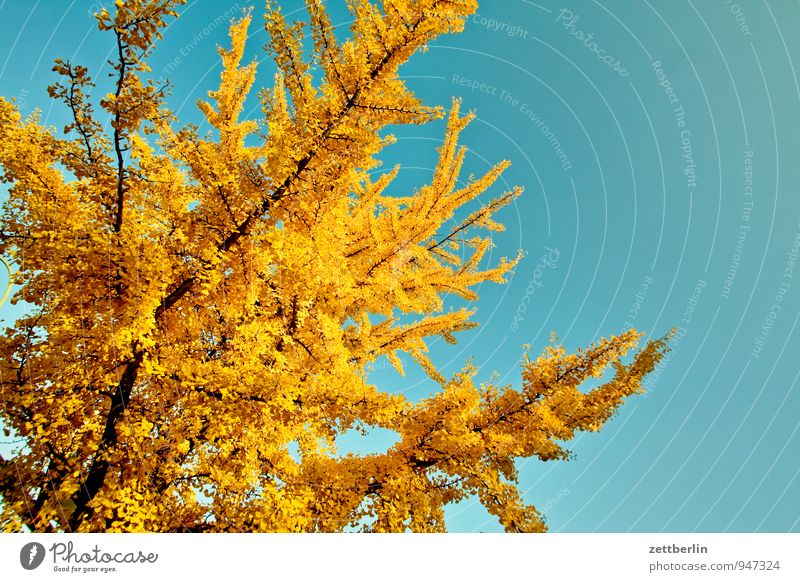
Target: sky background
{"type": "Point", "coordinates": [648, 212]}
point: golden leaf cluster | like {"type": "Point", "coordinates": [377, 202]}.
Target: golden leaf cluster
{"type": "Point", "coordinates": [204, 309]}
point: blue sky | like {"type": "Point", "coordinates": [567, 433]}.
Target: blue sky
{"type": "Point", "coordinates": [657, 144]}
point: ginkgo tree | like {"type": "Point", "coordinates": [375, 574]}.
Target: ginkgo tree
{"type": "Point", "coordinates": [204, 309]}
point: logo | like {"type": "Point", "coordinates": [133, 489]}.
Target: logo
{"type": "Point", "coordinates": [31, 555]}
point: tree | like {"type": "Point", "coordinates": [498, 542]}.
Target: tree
{"type": "Point", "coordinates": [205, 309]}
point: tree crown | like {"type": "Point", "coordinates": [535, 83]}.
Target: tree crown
{"type": "Point", "coordinates": [205, 308]}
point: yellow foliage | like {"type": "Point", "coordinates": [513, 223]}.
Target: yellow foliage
{"type": "Point", "coordinates": [205, 310]}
